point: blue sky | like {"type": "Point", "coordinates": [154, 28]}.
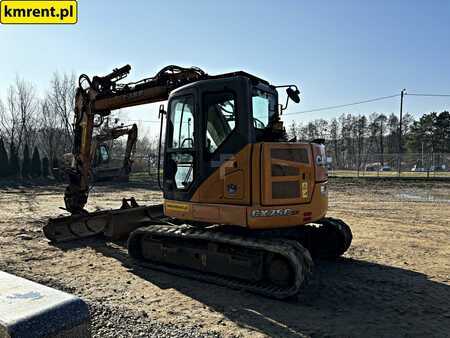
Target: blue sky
{"type": "Point", "coordinates": [336, 51]}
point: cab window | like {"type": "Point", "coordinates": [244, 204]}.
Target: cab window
{"type": "Point", "coordinates": [263, 104]}
{"type": "Point", "coordinates": [182, 120]}
{"type": "Point", "coordinates": [180, 162]}
{"type": "Point", "coordinates": [220, 110]}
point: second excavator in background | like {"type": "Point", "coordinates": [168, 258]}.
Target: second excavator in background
{"type": "Point", "coordinates": [105, 165]}
{"type": "Point", "coordinates": [243, 206]}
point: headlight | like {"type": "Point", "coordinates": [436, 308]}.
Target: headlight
{"type": "Point", "coordinates": [323, 189]}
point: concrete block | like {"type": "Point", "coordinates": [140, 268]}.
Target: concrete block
{"type": "Point", "coordinates": [29, 309]}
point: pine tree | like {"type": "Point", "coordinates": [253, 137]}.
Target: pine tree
{"type": "Point", "coordinates": [36, 165]}
{"type": "Point", "coordinates": [26, 162]}
{"type": "Point", "coordinates": [4, 164]}
{"type": "Point", "coordinates": [45, 164]}
{"type": "Point", "coordinates": [14, 165]}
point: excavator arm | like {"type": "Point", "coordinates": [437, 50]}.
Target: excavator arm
{"type": "Point", "coordinates": [95, 99]}
{"type": "Point", "coordinates": [131, 144]}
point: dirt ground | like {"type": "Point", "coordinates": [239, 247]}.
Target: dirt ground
{"type": "Point", "coordinates": [393, 282]}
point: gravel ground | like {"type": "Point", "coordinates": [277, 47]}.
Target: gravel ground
{"type": "Point", "coordinates": [121, 322]}
{"type": "Point", "coordinates": [393, 282]}
{"type": "Point", "coordinates": [118, 321]}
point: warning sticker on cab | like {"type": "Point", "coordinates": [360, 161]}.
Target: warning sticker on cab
{"type": "Point", "coordinates": [304, 189]}
{"type": "Point", "coordinates": [170, 206]}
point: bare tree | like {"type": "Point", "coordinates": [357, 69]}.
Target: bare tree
{"type": "Point", "coordinates": [292, 130]}
{"type": "Point", "coordinates": [359, 132]}
{"type": "Point", "coordinates": [334, 140]}
{"type": "Point", "coordinates": [27, 107]}
{"type": "Point", "coordinates": [8, 118]}
{"type": "Point", "coordinates": [60, 100]}
{"type": "Point", "coordinates": [3, 131]}
{"type": "Point", "coordinates": [381, 120]}
{"type": "Point", "coordinates": [50, 130]}
{"type": "Point", "coordinates": [18, 117]}
{"type": "Point", "coordinates": [346, 122]}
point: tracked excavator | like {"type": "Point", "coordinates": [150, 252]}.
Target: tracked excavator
{"type": "Point", "coordinates": [243, 206]}
{"type": "Point", "coordinates": [104, 167]}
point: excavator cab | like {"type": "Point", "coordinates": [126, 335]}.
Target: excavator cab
{"type": "Point", "coordinates": [227, 159]}
{"type": "Point", "coordinates": [208, 122]}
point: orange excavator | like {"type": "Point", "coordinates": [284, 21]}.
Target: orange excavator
{"type": "Point", "coordinates": [106, 168]}
{"type": "Point", "coordinates": [243, 206]}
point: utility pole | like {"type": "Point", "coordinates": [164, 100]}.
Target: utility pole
{"type": "Point", "coordinates": [399, 156]}
{"type": "Point", "coordinates": [422, 164]}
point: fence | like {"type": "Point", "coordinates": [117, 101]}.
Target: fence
{"type": "Point", "coordinates": [384, 165]}
{"type": "Point", "coordinates": [145, 167]}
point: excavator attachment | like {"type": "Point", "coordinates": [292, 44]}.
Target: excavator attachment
{"type": "Point", "coordinates": [114, 224]}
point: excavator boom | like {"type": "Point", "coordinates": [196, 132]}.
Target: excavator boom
{"type": "Point", "coordinates": [96, 100]}
{"type": "Point", "coordinates": [149, 90]}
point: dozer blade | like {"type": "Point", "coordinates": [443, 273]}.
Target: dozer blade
{"type": "Point", "coordinates": [114, 224]}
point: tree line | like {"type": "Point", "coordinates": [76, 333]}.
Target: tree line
{"type": "Point", "coordinates": [42, 123]}
{"type": "Point", "coordinates": [351, 140]}
{"type": "Point", "coordinates": [36, 130]}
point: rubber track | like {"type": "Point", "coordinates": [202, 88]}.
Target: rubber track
{"type": "Point", "coordinates": [343, 229]}
{"type": "Point", "coordinates": [304, 235]}
{"type": "Point", "coordinates": [298, 256]}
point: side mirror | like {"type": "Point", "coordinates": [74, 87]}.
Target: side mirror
{"type": "Point", "coordinates": [293, 94]}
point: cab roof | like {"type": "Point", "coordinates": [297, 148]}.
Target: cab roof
{"type": "Point", "coordinates": [253, 78]}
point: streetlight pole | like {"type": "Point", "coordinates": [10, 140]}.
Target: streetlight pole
{"type": "Point", "coordinates": [399, 165]}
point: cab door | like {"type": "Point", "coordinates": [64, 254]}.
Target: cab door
{"type": "Point", "coordinates": [225, 152]}
{"type": "Point", "coordinates": [181, 151]}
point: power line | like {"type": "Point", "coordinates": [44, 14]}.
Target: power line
{"type": "Point", "coordinates": [336, 106]}
{"type": "Point", "coordinates": [420, 94]}
{"type": "Point", "coordinates": [343, 105]}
